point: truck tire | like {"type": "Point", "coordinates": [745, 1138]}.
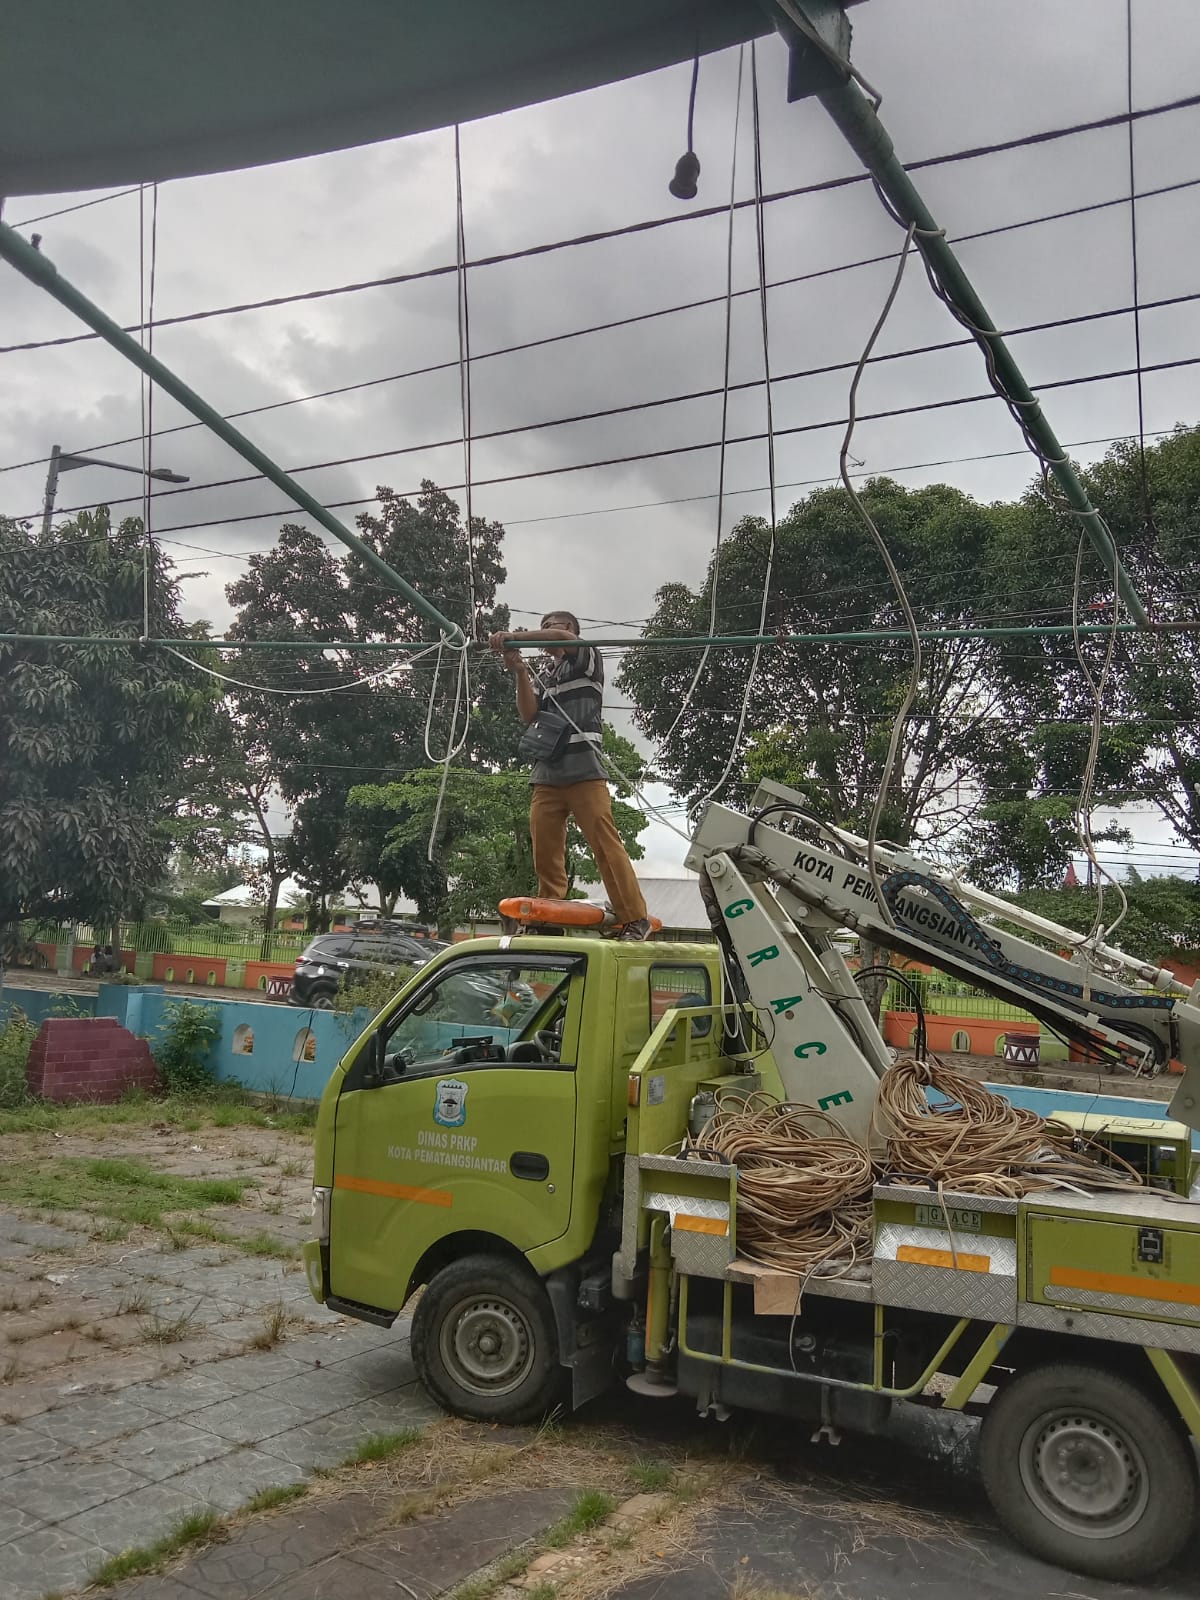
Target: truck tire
{"type": "Point", "coordinates": [484, 1341]}
{"type": "Point", "coordinates": [1089, 1471]}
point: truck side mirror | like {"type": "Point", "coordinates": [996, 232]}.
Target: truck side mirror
{"type": "Point", "coordinates": [376, 1050]}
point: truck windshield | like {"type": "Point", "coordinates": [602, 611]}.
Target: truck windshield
{"type": "Point", "coordinates": [506, 1003]}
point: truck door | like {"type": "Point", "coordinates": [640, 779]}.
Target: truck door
{"type": "Point", "coordinates": [458, 1117]}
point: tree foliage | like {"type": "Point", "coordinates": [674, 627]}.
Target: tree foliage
{"type": "Point", "coordinates": [94, 739]}
{"type": "Point", "coordinates": [820, 716]}
{"type": "Point", "coordinates": [317, 747]}
{"type": "Point", "coordinates": [1163, 919]}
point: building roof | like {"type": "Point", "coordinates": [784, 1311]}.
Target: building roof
{"type": "Point", "coordinates": [363, 898]}
{"type": "Point", "coordinates": [675, 902]}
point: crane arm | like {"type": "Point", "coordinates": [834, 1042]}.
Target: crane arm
{"type": "Point", "coordinates": [777, 898]}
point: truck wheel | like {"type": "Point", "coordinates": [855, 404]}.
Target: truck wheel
{"type": "Point", "coordinates": [484, 1342]}
{"type": "Point", "coordinates": [1089, 1471]}
{"type": "Point", "coordinates": [322, 999]}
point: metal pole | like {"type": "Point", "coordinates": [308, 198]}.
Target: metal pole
{"type": "Point", "coordinates": [31, 264]}
{"type": "Point", "coordinates": [51, 490]}
{"type": "Point", "coordinates": [813, 72]}
{"type": "Point", "coordinates": [732, 641]}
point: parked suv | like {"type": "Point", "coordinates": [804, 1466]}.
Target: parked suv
{"type": "Point", "coordinates": [336, 959]}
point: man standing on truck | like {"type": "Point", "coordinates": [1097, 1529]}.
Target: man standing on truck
{"type": "Point", "coordinates": [568, 776]}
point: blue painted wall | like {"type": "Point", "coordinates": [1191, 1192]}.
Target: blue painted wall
{"type": "Point", "coordinates": [277, 1034]}
{"type": "Point", "coordinates": [38, 1004]}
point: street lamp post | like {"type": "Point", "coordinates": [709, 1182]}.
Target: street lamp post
{"type": "Point", "coordinates": [62, 461]}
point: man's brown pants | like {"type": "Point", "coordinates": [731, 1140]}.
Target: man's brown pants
{"type": "Point", "coordinates": [591, 806]}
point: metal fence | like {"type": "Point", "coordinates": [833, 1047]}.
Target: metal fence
{"type": "Point", "coordinates": [947, 998]}
{"type": "Point", "coordinates": [176, 936]}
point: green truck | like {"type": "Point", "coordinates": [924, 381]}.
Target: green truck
{"type": "Point", "coordinates": [510, 1136]}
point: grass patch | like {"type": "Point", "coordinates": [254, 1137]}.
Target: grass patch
{"type": "Point", "coordinates": [122, 1190]}
{"type": "Point", "coordinates": [542, 1591]}
{"type": "Point", "coordinates": [274, 1328]}
{"type": "Point", "coordinates": [193, 1529]}
{"type": "Point", "coordinates": [651, 1476]}
{"type": "Point", "coordinates": [382, 1446]}
{"type": "Point", "coordinates": [590, 1509]}
{"type": "Point", "coordinates": [509, 1566]}
{"type": "Point", "coordinates": [168, 1330]}
{"type": "Point", "coordinates": [110, 1231]}
{"type": "Point", "coordinates": [224, 1106]}
{"type": "Point", "coordinates": [263, 1244]}
{"type": "Point", "coordinates": [268, 1499]}
{"type": "Point", "coordinates": [253, 1244]}
{"type": "Point", "coordinates": [198, 1228]}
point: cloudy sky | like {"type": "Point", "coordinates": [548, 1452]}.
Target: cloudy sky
{"type": "Point", "coordinates": [954, 74]}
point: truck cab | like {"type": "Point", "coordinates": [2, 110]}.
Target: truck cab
{"type": "Point", "coordinates": [471, 1143]}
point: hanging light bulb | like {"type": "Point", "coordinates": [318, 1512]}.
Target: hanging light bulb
{"type": "Point", "coordinates": [687, 170]}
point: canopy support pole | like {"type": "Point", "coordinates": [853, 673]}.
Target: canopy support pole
{"type": "Point", "coordinates": [31, 264]}
{"type": "Point", "coordinates": [818, 37]}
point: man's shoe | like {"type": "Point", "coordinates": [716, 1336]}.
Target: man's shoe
{"type": "Point", "coordinates": [635, 931]}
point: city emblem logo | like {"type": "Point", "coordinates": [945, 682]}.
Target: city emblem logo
{"type": "Point", "coordinates": [450, 1105]}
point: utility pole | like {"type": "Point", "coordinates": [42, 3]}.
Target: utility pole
{"type": "Point", "coordinates": [62, 461]}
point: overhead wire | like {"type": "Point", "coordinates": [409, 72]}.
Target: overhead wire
{"type": "Point", "coordinates": [82, 205]}
{"type": "Point", "coordinates": [146, 315]}
{"type": "Point", "coordinates": [685, 397]}
{"type": "Point", "coordinates": [914, 682]}
{"type": "Point", "coordinates": [462, 682]}
{"type": "Point", "coordinates": [764, 324]}
{"type": "Point", "coordinates": [298, 693]}
{"type": "Point", "coordinates": [632, 457]}
{"type": "Point", "coordinates": [973, 153]}
{"type": "Point", "coordinates": [685, 306]}
{"type": "Point", "coordinates": [715, 565]}
{"type": "Point", "coordinates": [1147, 515]}
{"type": "Point", "coordinates": [1098, 934]}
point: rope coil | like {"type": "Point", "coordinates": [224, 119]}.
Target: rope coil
{"type": "Point", "coordinates": [977, 1142]}
{"type": "Point", "coordinates": [804, 1186]}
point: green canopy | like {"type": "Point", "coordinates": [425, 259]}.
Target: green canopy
{"type": "Point", "coordinates": [111, 92]}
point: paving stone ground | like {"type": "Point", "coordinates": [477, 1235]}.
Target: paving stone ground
{"type": "Point", "coordinates": [110, 1447]}
{"type": "Point", "coordinates": [897, 1518]}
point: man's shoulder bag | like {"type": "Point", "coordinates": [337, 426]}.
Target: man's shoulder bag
{"type": "Point", "coordinates": [546, 737]}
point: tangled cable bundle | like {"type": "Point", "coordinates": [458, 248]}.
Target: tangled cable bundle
{"type": "Point", "coordinates": [804, 1187]}
{"type": "Point", "coordinates": [977, 1142]}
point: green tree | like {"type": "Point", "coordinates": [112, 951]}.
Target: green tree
{"type": "Point", "coordinates": [1163, 919]}
{"type": "Point", "coordinates": [1154, 516]}
{"type": "Point", "coordinates": [94, 739]}
{"type": "Point", "coordinates": [820, 716]}
{"type": "Point", "coordinates": [317, 747]}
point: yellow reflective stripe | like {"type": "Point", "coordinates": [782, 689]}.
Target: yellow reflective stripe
{"type": "Point", "coordinates": [1183, 1294]}
{"type": "Point", "coordinates": [964, 1262]}
{"type": "Point", "coordinates": [394, 1191]}
{"type": "Point", "coordinates": [689, 1224]}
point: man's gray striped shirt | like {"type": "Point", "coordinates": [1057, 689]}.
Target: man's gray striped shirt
{"type": "Point", "coordinates": [576, 688]}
